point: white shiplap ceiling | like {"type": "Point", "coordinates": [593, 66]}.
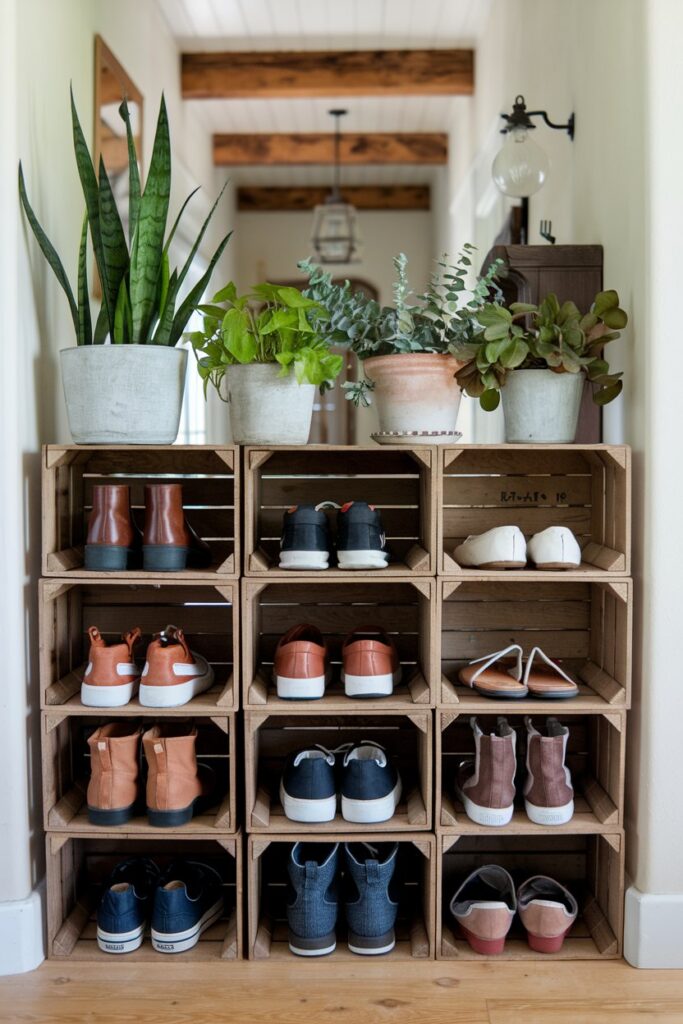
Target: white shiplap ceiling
{"type": "Point", "coordinates": [200, 25]}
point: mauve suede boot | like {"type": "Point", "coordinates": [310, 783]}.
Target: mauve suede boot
{"type": "Point", "coordinates": [548, 791]}
{"type": "Point", "coordinates": [486, 786]}
{"type": "Point", "coordinates": [169, 542]}
{"type": "Point", "coordinates": [113, 541]}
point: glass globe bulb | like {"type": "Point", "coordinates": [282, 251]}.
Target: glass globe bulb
{"type": "Point", "coordinates": [521, 166]}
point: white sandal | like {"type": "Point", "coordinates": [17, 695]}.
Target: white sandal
{"type": "Point", "coordinates": [546, 684]}
{"type": "Point", "coordinates": [499, 683]}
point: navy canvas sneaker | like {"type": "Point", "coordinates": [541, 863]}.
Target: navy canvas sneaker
{"type": "Point", "coordinates": [125, 905]}
{"type": "Point", "coordinates": [371, 786]}
{"type": "Point", "coordinates": [306, 541]}
{"type": "Point", "coordinates": [312, 903]}
{"type": "Point", "coordinates": [371, 897]}
{"type": "Point", "coordinates": [307, 790]}
{"type": "Point", "coordinates": [188, 899]}
{"type": "Point", "coordinates": [361, 543]}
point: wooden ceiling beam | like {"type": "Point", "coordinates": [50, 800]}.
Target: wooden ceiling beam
{"type": "Point", "coordinates": [363, 197]}
{"type": "Point", "coordinates": [290, 75]}
{"type": "Point", "coordinates": [318, 148]}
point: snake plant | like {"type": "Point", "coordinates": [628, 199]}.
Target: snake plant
{"type": "Point", "coordinates": [141, 301]}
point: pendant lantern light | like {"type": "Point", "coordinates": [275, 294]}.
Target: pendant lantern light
{"type": "Point", "coordinates": [335, 236]}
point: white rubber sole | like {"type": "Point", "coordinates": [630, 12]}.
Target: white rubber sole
{"type": "Point", "coordinates": [107, 696]}
{"type": "Point", "coordinates": [493, 816]}
{"type": "Point", "coordinates": [362, 559]}
{"type": "Point", "coordinates": [300, 689]}
{"type": "Point", "coordinates": [549, 815]}
{"type": "Point", "coordinates": [370, 686]}
{"type": "Point", "coordinates": [314, 560]}
{"type": "Point", "coordinates": [369, 812]}
{"type": "Point", "coordinates": [176, 694]}
{"type": "Point", "coordinates": [178, 942]}
{"type": "Point", "coordinates": [310, 811]}
{"type": "Point", "coordinates": [378, 951]}
{"type": "Point", "coordinates": [312, 952]}
{"type": "Point", "coordinates": [120, 942]}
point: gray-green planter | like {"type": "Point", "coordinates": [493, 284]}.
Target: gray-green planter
{"type": "Point", "coordinates": [123, 394]}
{"type": "Point", "coordinates": [266, 408]}
{"type": "Point", "coordinates": [541, 406]}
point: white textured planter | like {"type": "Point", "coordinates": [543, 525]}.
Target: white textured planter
{"type": "Point", "coordinates": [123, 394]}
{"type": "Point", "coordinates": [542, 406]}
{"type": "Point", "coordinates": [415, 392]}
{"type": "Point", "coordinates": [267, 409]}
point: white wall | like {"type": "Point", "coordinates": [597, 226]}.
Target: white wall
{"type": "Point", "coordinates": [269, 245]}
{"type": "Point", "coordinates": [45, 45]}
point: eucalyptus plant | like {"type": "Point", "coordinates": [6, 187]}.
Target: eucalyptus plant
{"type": "Point", "coordinates": [551, 335]}
{"type": "Point", "coordinates": [434, 321]}
{"type": "Point", "coordinates": [270, 324]}
{"type": "Point", "coordinates": [141, 301]}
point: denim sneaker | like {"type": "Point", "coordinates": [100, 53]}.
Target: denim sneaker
{"type": "Point", "coordinates": [307, 790]}
{"type": "Point", "coordinates": [312, 903]}
{"type": "Point", "coordinates": [361, 543]}
{"type": "Point", "coordinates": [306, 541]}
{"type": "Point", "coordinates": [125, 905]}
{"type": "Point", "coordinates": [371, 900]}
{"type": "Point", "coordinates": [188, 899]}
{"type": "Point", "coordinates": [371, 786]}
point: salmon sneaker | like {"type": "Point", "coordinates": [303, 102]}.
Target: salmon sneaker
{"type": "Point", "coordinates": [173, 674]}
{"type": "Point", "coordinates": [371, 666]}
{"type": "Point", "coordinates": [300, 664]}
{"type": "Point", "coordinates": [111, 676]}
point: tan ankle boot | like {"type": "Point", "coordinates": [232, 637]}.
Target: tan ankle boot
{"type": "Point", "coordinates": [114, 773]}
{"type": "Point", "coordinates": [175, 782]}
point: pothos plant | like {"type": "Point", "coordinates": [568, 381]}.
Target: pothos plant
{"type": "Point", "coordinates": [552, 335]}
{"type": "Point", "coordinates": [270, 324]}
{"type": "Point", "coordinates": [434, 321]}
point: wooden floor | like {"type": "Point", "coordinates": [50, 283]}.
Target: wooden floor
{"type": "Point", "coordinates": [318, 993]}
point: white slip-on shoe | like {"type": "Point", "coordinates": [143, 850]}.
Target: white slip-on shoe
{"type": "Point", "coordinates": [503, 547]}
{"type": "Point", "coordinates": [555, 548]}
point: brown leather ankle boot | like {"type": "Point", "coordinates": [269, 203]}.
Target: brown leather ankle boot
{"type": "Point", "coordinates": [548, 790]}
{"type": "Point", "coordinates": [175, 782]}
{"type": "Point", "coordinates": [169, 542]}
{"type": "Point", "coordinates": [113, 541]}
{"type": "Point", "coordinates": [114, 773]}
{"type": "Point", "coordinates": [486, 786]}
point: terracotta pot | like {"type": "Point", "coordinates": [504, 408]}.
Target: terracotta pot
{"type": "Point", "coordinates": [415, 391]}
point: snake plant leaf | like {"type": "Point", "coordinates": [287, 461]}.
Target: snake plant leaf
{"type": "Point", "coordinates": [123, 324]}
{"type": "Point", "coordinates": [133, 173]}
{"type": "Point", "coordinates": [167, 246]}
{"type": "Point", "coordinates": [84, 321]}
{"type": "Point", "coordinates": [86, 173]}
{"type": "Point", "coordinates": [192, 298]}
{"type": "Point", "coordinates": [114, 248]}
{"type": "Point", "coordinates": [101, 327]}
{"type": "Point", "coordinates": [198, 240]}
{"type": "Point", "coordinates": [148, 241]}
{"type": "Point", "coordinates": [48, 250]}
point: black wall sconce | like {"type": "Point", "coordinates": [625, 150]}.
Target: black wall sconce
{"type": "Point", "coordinates": [521, 167]}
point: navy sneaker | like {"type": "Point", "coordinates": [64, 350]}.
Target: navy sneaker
{"type": "Point", "coordinates": [306, 541]}
{"type": "Point", "coordinates": [361, 543]}
{"type": "Point", "coordinates": [307, 790]}
{"type": "Point", "coordinates": [371, 897]}
{"type": "Point", "coordinates": [125, 905]}
{"type": "Point", "coordinates": [312, 903]}
{"type": "Point", "coordinates": [371, 786]}
{"type": "Point", "coordinates": [188, 899]}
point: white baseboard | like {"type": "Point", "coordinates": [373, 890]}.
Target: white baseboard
{"type": "Point", "coordinates": [653, 929]}
{"type": "Point", "coordinates": [22, 933]}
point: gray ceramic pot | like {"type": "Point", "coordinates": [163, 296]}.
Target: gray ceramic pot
{"type": "Point", "coordinates": [541, 406]}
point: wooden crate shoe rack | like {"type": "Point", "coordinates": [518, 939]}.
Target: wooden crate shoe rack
{"type": "Point", "coordinates": [206, 605]}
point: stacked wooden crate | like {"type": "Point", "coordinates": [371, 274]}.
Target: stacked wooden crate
{"type": "Point", "coordinates": [204, 603]}
{"type": "Point", "coordinates": [581, 617]}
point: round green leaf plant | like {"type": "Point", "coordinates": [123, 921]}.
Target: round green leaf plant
{"type": "Point", "coordinates": [270, 324]}
{"type": "Point", "coordinates": [552, 335]}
